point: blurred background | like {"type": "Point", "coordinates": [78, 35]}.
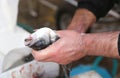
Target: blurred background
{"type": "Point", "coordinates": [57, 14]}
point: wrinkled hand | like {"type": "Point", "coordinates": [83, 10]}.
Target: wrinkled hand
{"type": "Point", "coordinates": [68, 48]}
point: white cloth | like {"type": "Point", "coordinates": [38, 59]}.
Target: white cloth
{"type": "Point", "coordinates": [11, 36]}
{"type": "Point", "coordinates": [8, 14]}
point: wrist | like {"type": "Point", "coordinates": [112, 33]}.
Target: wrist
{"type": "Point", "coordinates": [86, 42]}
{"type": "Point", "coordinates": [83, 43]}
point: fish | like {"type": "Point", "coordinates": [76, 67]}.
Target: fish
{"type": "Point", "coordinates": [41, 38]}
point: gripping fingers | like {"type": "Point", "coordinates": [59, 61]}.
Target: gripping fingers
{"type": "Point", "coordinates": [41, 56]}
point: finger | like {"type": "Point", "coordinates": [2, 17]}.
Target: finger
{"type": "Point", "coordinates": [45, 53]}
{"type": "Point", "coordinates": [43, 59]}
{"type": "Point", "coordinates": [40, 56]}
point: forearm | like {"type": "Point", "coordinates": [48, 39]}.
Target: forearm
{"type": "Point", "coordinates": [82, 20]}
{"type": "Point", "coordinates": [102, 44]}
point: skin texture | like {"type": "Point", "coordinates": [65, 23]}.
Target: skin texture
{"type": "Point", "coordinates": [82, 20]}
{"type": "Point", "coordinates": [102, 44]}
{"type": "Point", "coordinates": [75, 44]}
{"type": "Point", "coordinates": [70, 48]}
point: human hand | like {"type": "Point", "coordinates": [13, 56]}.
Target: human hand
{"type": "Point", "coordinates": [68, 48]}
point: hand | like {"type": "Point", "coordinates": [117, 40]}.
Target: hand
{"type": "Point", "coordinates": [67, 49]}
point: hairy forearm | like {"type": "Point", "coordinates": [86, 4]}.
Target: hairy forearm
{"type": "Point", "coordinates": [102, 44]}
{"type": "Point", "coordinates": [82, 20]}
